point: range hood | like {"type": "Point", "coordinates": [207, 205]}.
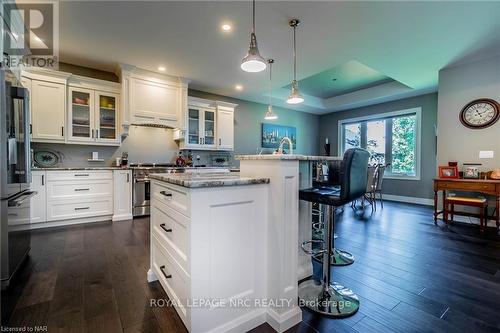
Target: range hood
{"type": "Point", "coordinates": [155, 125]}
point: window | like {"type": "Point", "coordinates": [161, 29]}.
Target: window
{"type": "Point", "coordinates": [391, 138]}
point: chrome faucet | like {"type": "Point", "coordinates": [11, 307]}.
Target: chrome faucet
{"type": "Point", "coordinates": [282, 143]}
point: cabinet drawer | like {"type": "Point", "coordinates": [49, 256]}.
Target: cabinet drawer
{"type": "Point", "coordinates": [172, 230]}
{"type": "Point", "coordinates": [174, 281]}
{"type": "Point", "coordinates": [79, 175]}
{"type": "Point", "coordinates": [61, 190]}
{"type": "Point", "coordinates": [172, 196]}
{"type": "Point", "coordinates": [78, 208]}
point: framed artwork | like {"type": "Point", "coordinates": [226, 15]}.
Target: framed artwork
{"type": "Point", "coordinates": [448, 171]}
{"type": "Point", "coordinates": [471, 171]}
{"type": "Point", "coordinates": [272, 135]}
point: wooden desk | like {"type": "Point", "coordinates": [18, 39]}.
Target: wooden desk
{"type": "Point", "coordinates": [488, 187]}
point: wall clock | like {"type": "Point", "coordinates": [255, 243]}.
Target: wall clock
{"type": "Point", "coordinates": [480, 113]}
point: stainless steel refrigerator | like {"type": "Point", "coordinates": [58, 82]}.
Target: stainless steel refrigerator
{"type": "Point", "coordinates": [15, 175]}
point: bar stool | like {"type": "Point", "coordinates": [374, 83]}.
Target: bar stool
{"type": "Point", "coordinates": [338, 257]}
{"type": "Point", "coordinates": [328, 297]}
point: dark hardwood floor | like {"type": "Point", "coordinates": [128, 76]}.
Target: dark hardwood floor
{"type": "Point", "coordinates": [410, 276]}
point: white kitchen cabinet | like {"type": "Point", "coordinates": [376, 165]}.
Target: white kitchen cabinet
{"type": "Point", "coordinates": [150, 98]}
{"type": "Point", "coordinates": [79, 194]}
{"type": "Point", "coordinates": [93, 113]}
{"type": "Point", "coordinates": [48, 111]}
{"type": "Point", "coordinates": [122, 195]}
{"type": "Point", "coordinates": [225, 127]}
{"type": "Point", "coordinates": [209, 125]}
{"type": "Point", "coordinates": [38, 204]}
{"type": "Point", "coordinates": [210, 247]}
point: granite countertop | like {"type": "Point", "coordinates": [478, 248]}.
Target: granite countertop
{"type": "Point", "coordinates": [215, 179]}
{"type": "Point", "coordinates": [79, 168]}
{"type": "Point", "coordinates": [287, 157]}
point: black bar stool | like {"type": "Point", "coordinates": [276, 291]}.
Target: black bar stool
{"type": "Point", "coordinates": [330, 298]}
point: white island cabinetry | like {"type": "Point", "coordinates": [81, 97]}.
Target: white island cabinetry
{"type": "Point", "coordinates": [207, 247]}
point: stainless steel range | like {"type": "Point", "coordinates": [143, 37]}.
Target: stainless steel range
{"type": "Point", "coordinates": [142, 187]}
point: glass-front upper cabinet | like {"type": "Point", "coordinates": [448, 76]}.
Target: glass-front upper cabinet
{"type": "Point", "coordinates": [209, 127]}
{"type": "Point", "coordinates": [107, 116]}
{"type": "Point", "coordinates": [81, 114]}
{"type": "Point", "coordinates": [194, 126]}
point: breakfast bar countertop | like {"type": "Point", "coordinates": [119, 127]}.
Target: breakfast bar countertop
{"type": "Point", "coordinates": [293, 157]}
{"type": "Point", "coordinates": [215, 179]}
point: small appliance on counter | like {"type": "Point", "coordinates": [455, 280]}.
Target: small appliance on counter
{"type": "Point", "coordinates": [124, 159]}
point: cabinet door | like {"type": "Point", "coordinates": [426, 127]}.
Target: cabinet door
{"type": "Point", "coordinates": [225, 130]}
{"type": "Point", "coordinates": [38, 204]}
{"type": "Point", "coordinates": [122, 197]}
{"type": "Point", "coordinates": [154, 102]}
{"type": "Point", "coordinates": [48, 110]}
{"type": "Point", "coordinates": [81, 114]}
{"type": "Point", "coordinates": [193, 134]}
{"type": "Point", "coordinates": [107, 129]}
{"type": "Point", "coordinates": [208, 131]}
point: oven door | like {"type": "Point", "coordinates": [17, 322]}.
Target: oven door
{"type": "Point", "coordinates": [141, 196]}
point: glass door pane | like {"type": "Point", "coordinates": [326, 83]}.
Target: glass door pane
{"type": "Point", "coordinates": [107, 117]}
{"type": "Point", "coordinates": [209, 127]}
{"type": "Point", "coordinates": [80, 113]}
{"type": "Point", "coordinates": [194, 126]}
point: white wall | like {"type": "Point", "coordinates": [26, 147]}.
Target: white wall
{"type": "Point", "coordinates": [457, 87]}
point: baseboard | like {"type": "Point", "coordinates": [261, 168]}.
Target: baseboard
{"type": "Point", "coordinates": [62, 223]}
{"type": "Point", "coordinates": [413, 200]}
{"type": "Point", "coordinates": [283, 322]}
{"type": "Point", "coordinates": [243, 323]}
{"type": "Point", "coordinates": [122, 217]}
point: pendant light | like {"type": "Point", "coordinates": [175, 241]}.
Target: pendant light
{"type": "Point", "coordinates": [253, 62]}
{"type": "Point", "coordinates": [270, 115]}
{"type": "Point", "coordinates": [295, 97]}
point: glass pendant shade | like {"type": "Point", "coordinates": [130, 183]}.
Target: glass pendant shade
{"type": "Point", "coordinates": [270, 115]}
{"type": "Point", "coordinates": [253, 61]}
{"type": "Point", "coordinates": [295, 97]}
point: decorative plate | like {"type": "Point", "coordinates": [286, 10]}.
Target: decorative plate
{"type": "Point", "coordinates": [46, 159]}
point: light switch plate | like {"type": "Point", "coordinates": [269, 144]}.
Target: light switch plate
{"type": "Point", "coordinates": [486, 154]}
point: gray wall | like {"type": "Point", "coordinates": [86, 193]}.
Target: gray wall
{"type": "Point", "coordinates": [457, 87]}
{"type": "Point", "coordinates": [249, 117]}
{"type": "Point", "coordinates": [411, 188]}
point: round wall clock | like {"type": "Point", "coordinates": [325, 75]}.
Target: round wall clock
{"type": "Point", "coordinates": [480, 113]}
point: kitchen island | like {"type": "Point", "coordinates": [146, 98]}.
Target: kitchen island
{"type": "Point", "coordinates": [225, 246]}
{"type": "Point", "coordinates": [208, 248]}
{"type": "Point", "coordinates": [289, 225]}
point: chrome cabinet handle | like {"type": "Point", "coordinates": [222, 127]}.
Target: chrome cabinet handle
{"type": "Point", "coordinates": [43, 180]}
{"type": "Point", "coordinates": [82, 175]}
{"type": "Point", "coordinates": [97, 134]}
{"type": "Point", "coordinates": [128, 178]}
{"type": "Point", "coordinates": [165, 193]}
{"type": "Point", "coordinates": [81, 189]}
{"type": "Point", "coordinates": [164, 228]}
{"type": "Point", "coordinates": [82, 208]}
{"type": "Point", "coordinates": [162, 269]}
{"type": "Point", "coordinates": [220, 141]}
{"type": "Point", "coordinates": [62, 130]}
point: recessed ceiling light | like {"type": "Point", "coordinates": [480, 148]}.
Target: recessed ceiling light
{"type": "Point", "coordinates": [238, 87]}
{"type": "Point", "coordinates": [226, 27]}
{"type": "Point", "coordinates": [162, 68]}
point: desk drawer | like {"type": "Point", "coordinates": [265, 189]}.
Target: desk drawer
{"type": "Point", "coordinates": [61, 190]}
{"type": "Point", "coordinates": [172, 230]}
{"type": "Point", "coordinates": [79, 175]}
{"type": "Point", "coordinates": [171, 277]}
{"type": "Point", "coordinates": [467, 186]}
{"type": "Point", "coordinates": [173, 196]}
